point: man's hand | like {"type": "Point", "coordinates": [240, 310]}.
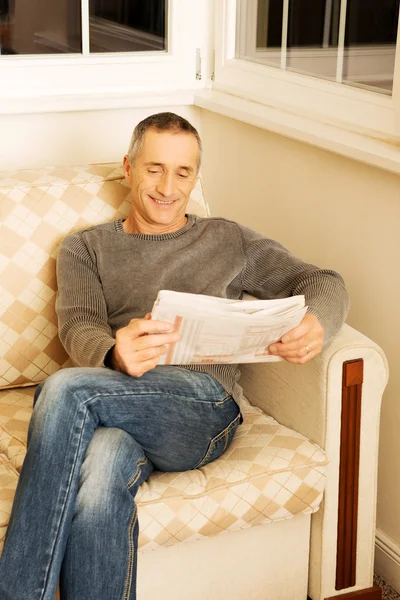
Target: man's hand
{"type": "Point", "coordinates": [301, 344]}
{"type": "Point", "coordinates": [137, 352]}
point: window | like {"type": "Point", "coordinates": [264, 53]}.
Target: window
{"type": "Point", "coordinates": [351, 42]}
{"type": "Point", "coordinates": [332, 61]}
{"type": "Point", "coordinates": [122, 26]}
{"type": "Point", "coordinates": [53, 27]}
{"type": "Point", "coordinates": [71, 54]}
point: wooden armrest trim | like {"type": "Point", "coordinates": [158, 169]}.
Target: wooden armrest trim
{"type": "Point", "coordinates": [352, 380]}
{"type": "Point", "coordinates": [373, 593]}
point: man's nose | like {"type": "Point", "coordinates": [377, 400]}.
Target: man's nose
{"type": "Point", "coordinates": [165, 185]}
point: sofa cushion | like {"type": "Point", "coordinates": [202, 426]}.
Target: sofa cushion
{"type": "Point", "coordinates": [268, 473]}
{"type": "Point", "coordinates": [37, 210]}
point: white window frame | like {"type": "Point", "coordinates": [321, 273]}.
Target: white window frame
{"type": "Point", "coordinates": [354, 109]}
{"type": "Point", "coordinates": [43, 83]}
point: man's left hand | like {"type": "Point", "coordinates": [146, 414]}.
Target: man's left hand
{"type": "Point", "coordinates": [301, 344]}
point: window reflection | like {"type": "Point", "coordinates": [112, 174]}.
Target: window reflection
{"type": "Point", "coordinates": [40, 27]}
{"type": "Point", "coordinates": [127, 25]}
{"type": "Point", "coordinates": [54, 26]}
{"type": "Point", "coordinates": [313, 31]}
{"type": "Point", "coordinates": [370, 43]}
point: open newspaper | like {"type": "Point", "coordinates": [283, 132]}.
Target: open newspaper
{"type": "Point", "coordinates": [218, 330]}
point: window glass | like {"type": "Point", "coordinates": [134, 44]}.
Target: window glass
{"type": "Point", "coordinates": [312, 38]}
{"type": "Point", "coordinates": [370, 43]}
{"type": "Point", "coordinates": [269, 31]}
{"type": "Point", "coordinates": [54, 26]}
{"type": "Point", "coordinates": [40, 27]}
{"type": "Point", "coordinates": [127, 25]}
{"type": "Point", "coordinates": [351, 42]}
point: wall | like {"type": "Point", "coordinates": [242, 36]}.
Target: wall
{"type": "Point", "coordinates": [28, 141]}
{"type": "Point", "coordinates": [336, 213]}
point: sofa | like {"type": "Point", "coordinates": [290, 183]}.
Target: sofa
{"type": "Point", "coordinates": [288, 510]}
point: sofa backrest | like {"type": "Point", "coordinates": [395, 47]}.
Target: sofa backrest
{"type": "Point", "coordinates": [38, 209]}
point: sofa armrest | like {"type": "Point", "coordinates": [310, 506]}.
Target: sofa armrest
{"type": "Point", "coordinates": [308, 398]}
{"type": "Point", "coordinates": [297, 395]}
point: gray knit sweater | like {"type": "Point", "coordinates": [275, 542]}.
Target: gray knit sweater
{"type": "Point", "coordinates": [107, 277]}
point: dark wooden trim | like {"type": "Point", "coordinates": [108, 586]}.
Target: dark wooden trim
{"type": "Point", "coordinates": [349, 474]}
{"type": "Point", "coordinates": [373, 593]}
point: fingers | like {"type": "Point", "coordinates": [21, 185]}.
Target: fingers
{"type": "Point", "coordinates": [140, 344]}
{"type": "Point", "coordinates": [139, 327]}
{"type": "Point", "coordinates": [136, 363]}
{"type": "Point", "coordinates": [150, 353]}
{"type": "Point", "coordinates": [139, 369]}
{"type": "Point", "coordinates": [141, 334]}
{"type": "Point", "coordinates": [309, 329]}
{"type": "Point", "coordinates": [302, 343]}
{"type": "Point", "coordinates": [298, 351]}
{"type": "Point", "coordinates": [301, 360]}
{"type": "Point", "coordinates": [144, 361]}
{"type": "Point", "coordinates": [152, 341]}
{"type": "Point", "coordinates": [294, 335]}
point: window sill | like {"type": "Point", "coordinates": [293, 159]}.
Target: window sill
{"type": "Point", "coordinates": [322, 135]}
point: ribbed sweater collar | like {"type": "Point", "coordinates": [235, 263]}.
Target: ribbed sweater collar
{"type": "Point", "coordinates": [156, 237]}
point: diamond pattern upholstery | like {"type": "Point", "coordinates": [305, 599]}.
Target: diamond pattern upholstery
{"type": "Point", "coordinates": [268, 473]}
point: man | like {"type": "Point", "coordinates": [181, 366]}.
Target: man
{"type": "Point", "coordinates": [97, 433]}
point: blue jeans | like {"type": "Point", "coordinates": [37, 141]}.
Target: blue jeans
{"type": "Point", "coordinates": [94, 437]}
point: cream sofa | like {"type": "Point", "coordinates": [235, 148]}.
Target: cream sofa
{"type": "Point", "coordinates": [290, 507]}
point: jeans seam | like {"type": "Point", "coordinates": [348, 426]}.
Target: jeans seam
{"type": "Point", "coordinates": [157, 393]}
{"type": "Point", "coordinates": [131, 556]}
{"type": "Point", "coordinates": [226, 430]}
{"type": "Point", "coordinates": [226, 440]}
{"type": "Point", "coordinates": [139, 463]}
{"type": "Point", "coordinates": [63, 506]}
{"type": "Point", "coordinates": [223, 433]}
{"type": "Point", "coordinates": [227, 397]}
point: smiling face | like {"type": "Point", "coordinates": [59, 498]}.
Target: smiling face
{"type": "Point", "coordinates": [161, 181]}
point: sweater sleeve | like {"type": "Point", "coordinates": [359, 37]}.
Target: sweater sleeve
{"type": "Point", "coordinates": [271, 271]}
{"type": "Point", "coordinates": [81, 307]}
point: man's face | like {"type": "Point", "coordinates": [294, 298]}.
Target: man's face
{"type": "Point", "coordinates": [161, 180]}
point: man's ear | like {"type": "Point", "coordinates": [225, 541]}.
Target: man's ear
{"type": "Point", "coordinates": [127, 169]}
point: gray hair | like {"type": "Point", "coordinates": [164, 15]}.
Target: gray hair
{"type": "Point", "coordinates": [164, 121]}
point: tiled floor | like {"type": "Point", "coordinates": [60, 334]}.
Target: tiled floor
{"type": "Point", "coordinates": [388, 592]}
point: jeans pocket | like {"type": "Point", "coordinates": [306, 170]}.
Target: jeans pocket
{"type": "Point", "coordinates": [220, 442]}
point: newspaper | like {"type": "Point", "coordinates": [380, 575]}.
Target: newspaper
{"type": "Point", "coordinates": [218, 330]}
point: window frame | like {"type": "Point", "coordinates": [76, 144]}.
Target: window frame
{"type": "Point", "coordinates": [349, 107]}
{"type": "Point", "coordinates": [39, 83]}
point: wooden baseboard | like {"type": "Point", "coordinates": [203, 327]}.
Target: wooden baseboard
{"type": "Point", "coordinates": [373, 593]}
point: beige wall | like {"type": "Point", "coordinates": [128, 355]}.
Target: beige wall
{"type": "Point", "coordinates": [336, 213]}
{"type": "Point", "coordinates": [28, 141]}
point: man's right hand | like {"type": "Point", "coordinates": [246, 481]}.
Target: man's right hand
{"type": "Point", "coordinates": [137, 352]}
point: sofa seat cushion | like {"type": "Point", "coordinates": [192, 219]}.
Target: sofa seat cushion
{"type": "Point", "coordinates": [268, 473]}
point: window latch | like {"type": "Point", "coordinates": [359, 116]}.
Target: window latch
{"type": "Point", "coordinates": [198, 64]}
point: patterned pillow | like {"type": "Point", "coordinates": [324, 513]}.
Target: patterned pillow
{"type": "Point", "coordinates": [37, 210]}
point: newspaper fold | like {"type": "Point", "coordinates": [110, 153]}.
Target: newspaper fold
{"type": "Point", "coordinates": [218, 330]}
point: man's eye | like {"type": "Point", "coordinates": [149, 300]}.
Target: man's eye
{"type": "Point", "coordinates": [155, 172]}
{"type": "Point", "coordinates": [183, 175]}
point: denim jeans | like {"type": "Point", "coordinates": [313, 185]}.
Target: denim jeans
{"type": "Point", "coordinates": [94, 437]}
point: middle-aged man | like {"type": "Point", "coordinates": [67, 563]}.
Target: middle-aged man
{"type": "Point", "coordinates": [97, 433]}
